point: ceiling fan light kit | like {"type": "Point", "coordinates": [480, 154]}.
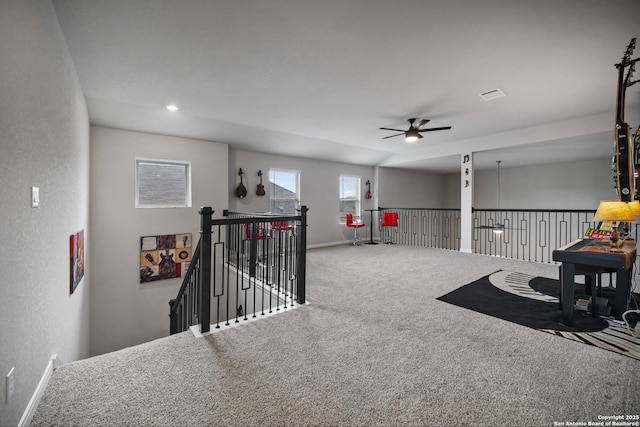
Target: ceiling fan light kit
{"type": "Point", "coordinates": [412, 136]}
{"type": "Point", "coordinates": [413, 133]}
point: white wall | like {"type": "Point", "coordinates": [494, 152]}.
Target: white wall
{"type": "Point", "coordinates": [44, 142]}
{"type": "Point", "coordinates": [452, 192]}
{"type": "Point", "coordinates": [319, 190]}
{"type": "Point", "coordinates": [125, 312]}
{"type": "Point", "coordinates": [405, 188]}
{"type": "Point", "coordinates": [578, 185]}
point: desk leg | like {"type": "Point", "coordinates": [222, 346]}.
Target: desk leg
{"type": "Point", "coordinates": [566, 291]}
{"type": "Point", "coordinates": [623, 278]}
{"type": "Point", "coordinates": [560, 293]}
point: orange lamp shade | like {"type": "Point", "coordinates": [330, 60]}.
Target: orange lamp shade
{"type": "Point", "coordinates": [614, 210]}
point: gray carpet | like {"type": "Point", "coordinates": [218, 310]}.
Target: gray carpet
{"type": "Point", "coordinates": [373, 347]}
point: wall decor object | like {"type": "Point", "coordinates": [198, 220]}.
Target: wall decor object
{"type": "Point", "coordinates": [260, 190]}
{"type": "Point", "coordinates": [76, 251]}
{"type": "Point", "coordinates": [164, 257]}
{"type": "Point", "coordinates": [241, 191]}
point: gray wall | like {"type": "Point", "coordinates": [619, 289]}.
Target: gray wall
{"type": "Point", "coordinates": [578, 185]}
{"type": "Point", "coordinates": [405, 188]}
{"type": "Point", "coordinates": [319, 190]}
{"type": "Point", "coordinates": [44, 142]}
{"type": "Point", "coordinates": [125, 312]}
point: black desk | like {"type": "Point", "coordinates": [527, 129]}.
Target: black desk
{"type": "Point", "coordinates": [594, 253]}
{"type": "Point", "coordinates": [371, 242]}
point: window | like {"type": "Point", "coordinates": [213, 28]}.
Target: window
{"type": "Point", "coordinates": [349, 195]}
{"type": "Point", "coordinates": [284, 191]}
{"type": "Point", "coordinates": [163, 184]}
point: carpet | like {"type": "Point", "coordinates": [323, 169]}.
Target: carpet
{"type": "Point", "coordinates": [533, 302]}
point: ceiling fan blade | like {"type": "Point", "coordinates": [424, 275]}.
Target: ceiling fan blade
{"type": "Point", "coordinates": [432, 129]}
{"type": "Point", "coordinates": [398, 134]}
{"type": "Point", "coordinates": [422, 123]}
{"type": "Point", "coordinates": [397, 130]}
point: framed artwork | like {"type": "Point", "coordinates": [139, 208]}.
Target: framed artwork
{"type": "Point", "coordinates": [76, 250]}
{"type": "Point", "coordinates": [164, 257]}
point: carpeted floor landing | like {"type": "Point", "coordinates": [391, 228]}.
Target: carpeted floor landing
{"type": "Point", "coordinates": [375, 347]}
{"type": "Point", "coordinates": [533, 302]}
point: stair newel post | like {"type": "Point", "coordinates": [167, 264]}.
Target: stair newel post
{"type": "Point", "coordinates": [302, 257]}
{"type": "Point", "coordinates": [206, 214]}
{"type": "Point", "coordinates": [174, 321]}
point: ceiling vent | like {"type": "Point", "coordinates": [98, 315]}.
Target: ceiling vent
{"type": "Point", "coordinates": [492, 94]}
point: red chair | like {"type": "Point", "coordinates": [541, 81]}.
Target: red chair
{"type": "Point", "coordinates": [355, 226]}
{"type": "Point", "coordinates": [282, 226]}
{"type": "Point", "coordinates": [260, 235]}
{"type": "Point", "coordinates": [389, 219]}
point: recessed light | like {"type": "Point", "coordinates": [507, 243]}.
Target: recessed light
{"type": "Point", "coordinates": [172, 108]}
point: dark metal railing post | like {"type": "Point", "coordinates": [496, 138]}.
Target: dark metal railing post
{"type": "Point", "coordinates": [206, 214]}
{"type": "Point", "coordinates": [174, 321]}
{"type": "Point", "coordinates": [301, 271]}
{"type": "Point", "coordinates": [253, 249]}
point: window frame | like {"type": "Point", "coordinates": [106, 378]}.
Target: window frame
{"type": "Point", "coordinates": [164, 162]}
{"type": "Point", "coordinates": [297, 197]}
{"type": "Point", "coordinates": [358, 197]}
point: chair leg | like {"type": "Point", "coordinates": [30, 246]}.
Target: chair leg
{"type": "Point", "coordinates": [389, 241]}
{"type": "Point", "coordinates": [355, 236]}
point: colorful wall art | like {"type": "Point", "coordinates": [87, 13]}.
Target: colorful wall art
{"type": "Point", "coordinates": [76, 250]}
{"type": "Point", "coordinates": [164, 257]}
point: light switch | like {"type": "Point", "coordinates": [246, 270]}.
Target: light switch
{"type": "Point", "coordinates": [35, 197]}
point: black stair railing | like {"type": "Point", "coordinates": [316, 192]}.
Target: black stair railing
{"type": "Point", "coordinates": [185, 308]}
{"type": "Point", "coordinates": [249, 263]}
{"type": "Point", "coordinates": [528, 234]}
{"type": "Point", "coordinates": [425, 227]}
{"type": "Point", "coordinates": [525, 234]}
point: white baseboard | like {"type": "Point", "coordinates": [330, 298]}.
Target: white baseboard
{"type": "Point", "coordinates": [37, 395]}
{"type": "Point", "coordinates": [195, 329]}
{"type": "Point", "coordinates": [326, 245]}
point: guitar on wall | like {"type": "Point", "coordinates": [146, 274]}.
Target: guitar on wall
{"type": "Point", "coordinates": [624, 160]}
{"type": "Point", "coordinates": [241, 191]}
{"type": "Point", "coordinates": [260, 189]}
{"type": "Point", "coordinates": [368, 195]}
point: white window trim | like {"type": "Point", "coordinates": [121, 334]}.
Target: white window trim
{"type": "Point", "coordinates": [358, 214]}
{"type": "Point", "coordinates": [298, 190]}
{"type": "Point", "coordinates": [185, 163]}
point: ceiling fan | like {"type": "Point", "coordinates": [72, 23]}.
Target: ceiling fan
{"type": "Point", "coordinates": [413, 133]}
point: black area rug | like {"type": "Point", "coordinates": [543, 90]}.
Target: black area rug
{"type": "Point", "coordinates": [532, 302]}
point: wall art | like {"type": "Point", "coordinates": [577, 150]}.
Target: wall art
{"type": "Point", "coordinates": [164, 257]}
{"type": "Point", "coordinates": [76, 250]}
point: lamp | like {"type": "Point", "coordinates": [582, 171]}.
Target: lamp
{"type": "Point", "coordinates": [614, 211]}
{"type": "Point", "coordinates": [635, 207]}
{"type": "Point", "coordinates": [411, 135]}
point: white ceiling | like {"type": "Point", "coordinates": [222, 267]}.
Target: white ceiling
{"type": "Point", "coordinates": [318, 78]}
